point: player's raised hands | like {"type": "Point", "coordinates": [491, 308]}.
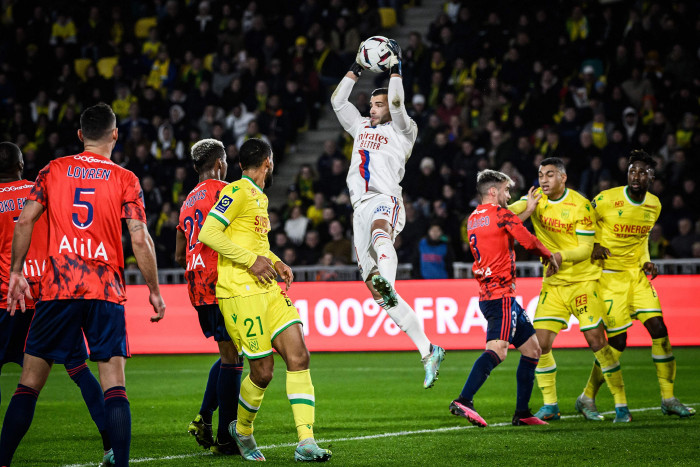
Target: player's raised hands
{"type": "Point", "coordinates": [158, 305]}
{"type": "Point", "coordinates": [599, 252]}
{"type": "Point", "coordinates": [263, 270]}
{"type": "Point", "coordinates": [533, 197]}
{"type": "Point", "coordinates": [285, 273]}
{"type": "Point", "coordinates": [395, 48]}
{"type": "Point", "coordinates": [17, 291]}
{"type": "Point", "coordinates": [357, 68]}
{"type": "Point", "coordinates": [650, 268]}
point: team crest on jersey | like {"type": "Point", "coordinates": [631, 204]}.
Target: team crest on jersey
{"type": "Point", "coordinates": [565, 214]}
{"type": "Point", "coordinates": [254, 346]}
{"type": "Point", "coordinates": [647, 216]}
{"type": "Point", "coordinates": [223, 204]}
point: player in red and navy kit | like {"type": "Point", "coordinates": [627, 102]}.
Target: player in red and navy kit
{"type": "Point", "coordinates": [13, 329]}
{"type": "Point", "coordinates": [200, 263]}
{"type": "Point", "coordinates": [492, 229]}
{"type": "Point", "coordinates": [85, 197]}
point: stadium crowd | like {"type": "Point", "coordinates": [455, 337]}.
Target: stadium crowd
{"type": "Point", "coordinates": [490, 86]}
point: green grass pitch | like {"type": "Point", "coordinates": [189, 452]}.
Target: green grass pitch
{"type": "Point", "coordinates": [373, 410]}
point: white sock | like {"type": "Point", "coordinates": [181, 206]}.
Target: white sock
{"type": "Point", "coordinates": [387, 261]}
{"type": "Point", "coordinates": [406, 319]}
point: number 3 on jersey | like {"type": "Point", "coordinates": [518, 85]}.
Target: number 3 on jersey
{"type": "Point", "coordinates": [80, 200]}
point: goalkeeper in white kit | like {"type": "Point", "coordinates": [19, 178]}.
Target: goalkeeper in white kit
{"type": "Point", "coordinates": [383, 144]}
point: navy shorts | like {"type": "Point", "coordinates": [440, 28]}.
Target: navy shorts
{"type": "Point", "coordinates": [13, 333]}
{"type": "Point", "coordinates": [507, 321]}
{"type": "Point", "coordinates": [212, 322]}
{"type": "Point", "coordinates": [58, 327]}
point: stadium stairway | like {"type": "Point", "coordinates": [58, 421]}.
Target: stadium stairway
{"type": "Point", "coordinates": [310, 144]}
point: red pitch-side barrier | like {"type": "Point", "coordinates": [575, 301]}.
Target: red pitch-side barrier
{"type": "Point", "coordinates": [341, 316]}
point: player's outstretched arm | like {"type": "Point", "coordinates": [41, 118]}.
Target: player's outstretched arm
{"type": "Point", "coordinates": [525, 206]}
{"type": "Point", "coordinates": [145, 253]}
{"type": "Point", "coordinates": [18, 288]}
{"type": "Point", "coordinates": [397, 107]}
{"type": "Point", "coordinates": [347, 113]}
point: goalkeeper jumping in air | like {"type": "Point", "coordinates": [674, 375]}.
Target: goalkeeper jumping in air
{"type": "Point", "coordinates": [383, 144]}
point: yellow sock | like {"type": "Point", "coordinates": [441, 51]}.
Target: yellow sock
{"type": "Point", "coordinates": [665, 365]}
{"type": "Point", "coordinates": [300, 392]}
{"type": "Point", "coordinates": [249, 401]}
{"type": "Point", "coordinates": [546, 374]}
{"type": "Point", "coordinates": [612, 372]}
{"type": "Point", "coordinates": [596, 380]}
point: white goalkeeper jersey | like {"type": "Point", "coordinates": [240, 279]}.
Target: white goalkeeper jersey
{"type": "Point", "coordinates": [379, 153]}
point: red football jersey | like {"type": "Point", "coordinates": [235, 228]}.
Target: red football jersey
{"type": "Point", "coordinates": [12, 197]}
{"type": "Point", "coordinates": [491, 230]}
{"type": "Point", "coordinates": [86, 197]}
{"type": "Point", "coordinates": [201, 272]}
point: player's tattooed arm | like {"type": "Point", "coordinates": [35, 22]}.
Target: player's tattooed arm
{"type": "Point", "coordinates": [145, 253]}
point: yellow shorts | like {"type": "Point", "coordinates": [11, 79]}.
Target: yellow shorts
{"type": "Point", "coordinates": [254, 321]}
{"type": "Point", "coordinates": [558, 303]}
{"type": "Point", "coordinates": [627, 295]}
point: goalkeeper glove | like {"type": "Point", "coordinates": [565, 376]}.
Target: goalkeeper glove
{"type": "Point", "coordinates": [356, 68]}
{"type": "Point", "coordinates": [395, 60]}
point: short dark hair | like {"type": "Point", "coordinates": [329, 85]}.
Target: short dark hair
{"type": "Point", "coordinates": [253, 152]}
{"type": "Point", "coordinates": [97, 122]}
{"type": "Point", "coordinates": [380, 92]}
{"type": "Point", "coordinates": [10, 157]}
{"type": "Point", "coordinates": [488, 178]}
{"type": "Point", "coordinates": [206, 152]}
{"type": "Point", "coordinates": [556, 162]}
{"type": "Point", "coordinates": [639, 155]}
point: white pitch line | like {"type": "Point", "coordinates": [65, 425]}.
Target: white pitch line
{"type": "Point", "coordinates": [360, 438]}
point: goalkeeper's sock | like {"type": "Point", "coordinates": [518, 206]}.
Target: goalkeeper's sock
{"type": "Point", "coordinates": [387, 260]}
{"type": "Point", "coordinates": [610, 366]}
{"type": "Point", "coordinates": [546, 374]}
{"type": "Point", "coordinates": [300, 392]}
{"type": "Point", "coordinates": [405, 318]}
{"type": "Point", "coordinates": [249, 401]}
{"type": "Point", "coordinates": [665, 365]}
{"type": "Point", "coordinates": [481, 370]}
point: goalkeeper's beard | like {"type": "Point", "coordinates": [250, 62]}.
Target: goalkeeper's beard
{"type": "Point", "coordinates": [268, 180]}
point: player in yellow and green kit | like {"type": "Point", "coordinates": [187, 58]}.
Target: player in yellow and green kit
{"type": "Point", "coordinates": [563, 221]}
{"type": "Point", "coordinates": [258, 314]}
{"type": "Point", "coordinates": [624, 217]}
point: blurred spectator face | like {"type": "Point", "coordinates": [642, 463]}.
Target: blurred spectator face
{"type": "Point", "coordinates": [147, 183]}
{"type": "Point", "coordinates": [596, 163]}
{"type": "Point", "coordinates": [296, 212]}
{"type": "Point", "coordinates": [434, 232]}
{"type": "Point", "coordinates": [689, 186]}
{"type": "Point", "coordinates": [441, 140]}
{"type": "Point", "coordinates": [336, 230]}
{"type": "Point", "coordinates": [604, 184]}
{"type": "Point", "coordinates": [141, 153]}
{"type": "Point", "coordinates": [252, 129]}
{"type": "Point", "coordinates": [319, 199]}
{"type": "Point", "coordinates": [180, 174]}
{"type": "Point", "coordinates": [449, 100]}
{"type": "Point", "coordinates": [261, 87]}
{"type": "Point", "coordinates": [338, 167]}
{"type": "Point", "coordinates": [328, 214]}
{"type": "Point", "coordinates": [617, 136]}
{"type": "Point", "coordinates": [329, 147]}
{"type": "Point", "coordinates": [311, 239]}
{"type": "Point", "coordinates": [292, 86]}
{"type": "Point", "coordinates": [656, 233]}
{"type": "Point", "coordinates": [586, 139]}
{"type": "Point", "coordinates": [570, 114]}
{"type": "Point", "coordinates": [280, 239]}
{"type": "Point", "coordinates": [448, 192]}
{"type": "Point", "coordinates": [552, 137]}
{"type": "Point", "coordinates": [327, 259]}
{"type": "Point", "coordinates": [679, 156]}
{"type": "Point", "coordinates": [684, 226]}
{"type": "Point", "coordinates": [289, 256]}
{"type": "Point", "coordinates": [427, 166]}
{"type": "Point", "coordinates": [677, 202]}
{"type": "Point", "coordinates": [496, 138]}
{"type": "Point", "coordinates": [696, 250]}
{"type": "Point", "coordinates": [467, 147]}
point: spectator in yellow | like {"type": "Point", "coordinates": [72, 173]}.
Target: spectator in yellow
{"type": "Point", "coordinates": [152, 45]}
{"type": "Point", "coordinates": [122, 102]}
{"type": "Point", "coordinates": [162, 72]}
{"type": "Point", "coordinates": [577, 25]}
{"type": "Point", "coordinates": [63, 30]}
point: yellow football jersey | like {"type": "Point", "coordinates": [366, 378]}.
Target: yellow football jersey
{"type": "Point", "coordinates": [623, 227]}
{"type": "Point", "coordinates": [241, 212]}
{"type": "Point", "coordinates": [565, 226]}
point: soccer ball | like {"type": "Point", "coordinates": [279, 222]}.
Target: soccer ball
{"type": "Point", "coordinates": [375, 54]}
